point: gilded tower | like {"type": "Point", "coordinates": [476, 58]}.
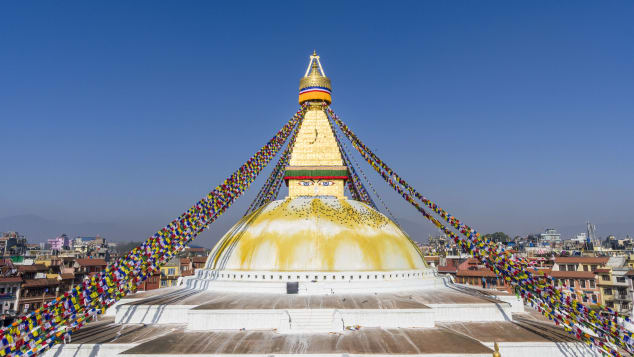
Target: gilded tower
{"type": "Point", "coordinates": [316, 167]}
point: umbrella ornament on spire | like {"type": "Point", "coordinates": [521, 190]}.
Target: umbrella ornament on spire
{"type": "Point", "coordinates": [315, 85]}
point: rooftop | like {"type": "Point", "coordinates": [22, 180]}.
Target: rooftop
{"type": "Point", "coordinates": [581, 260]}
{"type": "Point", "coordinates": [572, 274]}
{"type": "Point", "coordinates": [86, 262]}
{"type": "Point", "coordinates": [11, 279]}
{"type": "Point", "coordinates": [32, 283]}
{"type": "Point", "coordinates": [32, 268]}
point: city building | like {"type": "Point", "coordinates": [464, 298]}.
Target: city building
{"type": "Point", "coordinates": [12, 244]}
{"type": "Point", "coordinates": [474, 273]}
{"type": "Point", "coordinates": [550, 236]}
{"type": "Point", "coordinates": [36, 292]}
{"type": "Point", "coordinates": [87, 266]}
{"type": "Point", "coordinates": [581, 276]}
{"type": "Point", "coordinates": [186, 267]}
{"type": "Point", "coordinates": [580, 238]}
{"type": "Point", "coordinates": [170, 272]}
{"type": "Point", "coordinates": [151, 283]}
{"type": "Point", "coordinates": [9, 294]}
{"type": "Point", "coordinates": [59, 243]}
{"type": "Point", "coordinates": [615, 284]}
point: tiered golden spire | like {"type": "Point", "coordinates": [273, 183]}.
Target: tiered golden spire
{"type": "Point", "coordinates": [316, 167]}
{"type": "Point", "coordinates": [315, 86]}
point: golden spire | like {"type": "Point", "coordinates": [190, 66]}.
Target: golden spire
{"type": "Point", "coordinates": [315, 167]}
{"type": "Point", "coordinates": [315, 86]}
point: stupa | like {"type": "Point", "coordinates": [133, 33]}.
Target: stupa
{"type": "Point", "coordinates": [317, 274]}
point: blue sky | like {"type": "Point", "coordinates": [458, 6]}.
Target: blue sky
{"type": "Point", "coordinates": [514, 116]}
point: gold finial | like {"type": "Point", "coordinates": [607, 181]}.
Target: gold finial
{"type": "Point", "coordinates": [315, 85]}
{"type": "Point", "coordinates": [315, 72]}
{"type": "Point", "coordinates": [496, 350]}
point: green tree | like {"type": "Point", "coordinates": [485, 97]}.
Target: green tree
{"type": "Point", "coordinates": [499, 237]}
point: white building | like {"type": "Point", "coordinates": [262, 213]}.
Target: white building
{"type": "Point", "coordinates": [550, 236]}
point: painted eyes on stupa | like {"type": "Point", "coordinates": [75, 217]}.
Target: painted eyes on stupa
{"type": "Point", "coordinates": [320, 183]}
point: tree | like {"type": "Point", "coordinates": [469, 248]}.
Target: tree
{"type": "Point", "coordinates": [498, 237]}
{"type": "Point", "coordinates": [124, 248]}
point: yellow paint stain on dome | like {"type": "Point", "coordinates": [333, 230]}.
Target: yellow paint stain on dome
{"type": "Point", "coordinates": [313, 234]}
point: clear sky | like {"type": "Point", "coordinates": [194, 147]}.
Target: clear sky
{"type": "Point", "coordinates": [514, 116]}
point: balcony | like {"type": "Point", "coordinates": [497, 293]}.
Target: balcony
{"type": "Point", "coordinates": [6, 297]}
{"type": "Point", "coordinates": [623, 297]}
{"type": "Point", "coordinates": [36, 298]}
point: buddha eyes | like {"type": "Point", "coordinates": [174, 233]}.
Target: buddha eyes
{"type": "Point", "coordinates": [310, 183]}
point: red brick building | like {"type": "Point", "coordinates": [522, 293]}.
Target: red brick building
{"type": "Point", "coordinates": [152, 282]}
{"type": "Point", "coordinates": [187, 268]}
{"type": "Point", "coordinates": [198, 262]}
{"type": "Point", "coordinates": [473, 272]}
{"type": "Point", "coordinates": [35, 292]}
{"type": "Point", "coordinates": [582, 285]}
{"type": "Point", "coordinates": [87, 266]}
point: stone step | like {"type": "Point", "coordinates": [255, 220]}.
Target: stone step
{"type": "Point", "coordinates": [314, 320]}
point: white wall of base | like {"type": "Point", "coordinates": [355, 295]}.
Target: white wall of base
{"type": "Point", "coordinates": [267, 319]}
{"type": "Point", "coordinates": [311, 283]}
{"type": "Point", "coordinates": [208, 320]}
{"type": "Point", "coordinates": [471, 312]}
{"type": "Point", "coordinates": [112, 310]}
{"type": "Point", "coordinates": [517, 303]}
{"type": "Point", "coordinates": [152, 314]}
{"type": "Point", "coordinates": [87, 350]}
{"type": "Point", "coordinates": [298, 320]}
{"type": "Point", "coordinates": [544, 349]}
{"type": "Point", "coordinates": [388, 318]}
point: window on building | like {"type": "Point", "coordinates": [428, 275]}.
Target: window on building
{"type": "Point", "coordinates": [585, 298]}
{"type": "Point", "coordinates": [571, 267]}
{"type": "Point", "coordinates": [605, 277]}
{"type": "Point", "coordinates": [171, 271]}
{"type": "Point", "coordinates": [571, 283]}
{"type": "Point", "coordinates": [592, 284]}
{"type": "Point", "coordinates": [582, 282]}
{"type": "Point", "coordinates": [620, 279]}
{"type": "Point", "coordinates": [594, 267]}
{"type": "Point", "coordinates": [608, 291]}
{"type": "Point", "coordinates": [562, 267]}
{"type": "Point", "coordinates": [585, 267]}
